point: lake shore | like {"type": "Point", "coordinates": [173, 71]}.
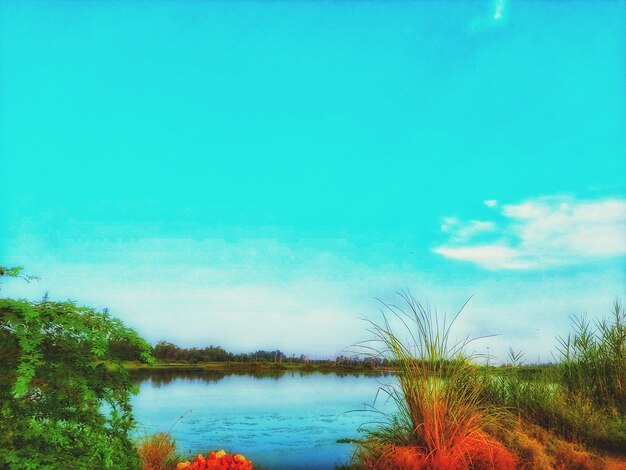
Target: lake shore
{"type": "Point", "coordinates": [257, 366]}
{"type": "Point", "coordinates": [529, 372]}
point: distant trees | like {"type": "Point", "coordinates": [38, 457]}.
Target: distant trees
{"type": "Point", "coordinates": [358, 361]}
{"type": "Point", "coordinates": [165, 351]}
{"type": "Point", "coordinates": [169, 352]}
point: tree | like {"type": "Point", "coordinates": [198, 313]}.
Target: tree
{"type": "Point", "coordinates": [17, 272]}
{"type": "Point", "coordinates": [64, 394]}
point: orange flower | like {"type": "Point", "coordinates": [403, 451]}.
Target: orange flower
{"type": "Point", "coordinates": [217, 460]}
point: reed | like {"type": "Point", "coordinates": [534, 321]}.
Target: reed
{"type": "Point", "coordinates": [584, 401]}
{"type": "Point", "coordinates": [443, 420]}
{"type": "Point", "coordinates": [593, 360]}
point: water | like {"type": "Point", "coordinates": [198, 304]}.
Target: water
{"type": "Point", "coordinates": [288, 420]}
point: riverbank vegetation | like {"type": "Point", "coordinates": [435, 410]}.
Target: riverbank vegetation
{"type": "Point", "coordinates": [453, 413]}
{"type": "Point", "coordinates": [259, 367]}
{"type": "Point", "coordinates": [65, 393]}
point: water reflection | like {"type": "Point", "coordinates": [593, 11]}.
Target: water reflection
{"type": "Point", "coordinates": [163, 376]}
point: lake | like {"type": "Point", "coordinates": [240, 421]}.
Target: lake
{"type": "Point", "coordinates": [279, 420]}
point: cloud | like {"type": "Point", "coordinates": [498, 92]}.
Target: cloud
{"type": "Point", "coordinates": [539, 233]}
{"type": "Point", "coordinates": [495, 17]}
{"type": "Point", "coordinates": [499, 10]}
{"type": "Point", "coordinates": [462, 231]}
{"type": "Point", "coordinates": [487, 256]}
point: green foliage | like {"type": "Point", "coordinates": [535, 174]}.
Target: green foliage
{"type": "Point", "coordinates": [593, 360]}
{"type": "Point", "coordinates": [16, 271]}
{"type": "Point", "coordinates": [169, 352]}
{"type": "Point", "coordinates": [547, 404]}
{"type": "Point", "coordinates": [64, 395]}
{"type": "Point", "coordinates": [584, 399]}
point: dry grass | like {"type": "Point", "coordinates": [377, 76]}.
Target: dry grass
{"type": "Point", "coordinates": [477, 451]}
{"type": "Point", "coordinates": [538, 449]}
{"type": "Point", "coordinates": [530, 451]}
{"type": "Point", "coordinates": [157, 452]}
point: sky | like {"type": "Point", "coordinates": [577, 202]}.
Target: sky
{"type": "Point", "coordinates": [260, 175]}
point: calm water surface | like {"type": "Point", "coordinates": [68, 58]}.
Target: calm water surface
{"type": "Point", "coordinates": [286, 420]}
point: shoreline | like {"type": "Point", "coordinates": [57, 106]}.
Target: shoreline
{"type": "Point", "coordinates": [530, 372]}
{"type": "Point", "coordinates": [256, 367]}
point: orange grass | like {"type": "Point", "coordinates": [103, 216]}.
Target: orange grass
{"type": "Point", "coordinates": [157, 452]}
{"type": "Point", "coordinates": [478, 451]}
{"type": "Point", "coordinates": [443, 421]}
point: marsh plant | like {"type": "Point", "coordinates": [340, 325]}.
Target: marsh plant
{"type": "Point", "coordinates": [443, 419]}
{"type": "Point", "coordinates": [593, 360]}
{"type": "Point", "coordinates": [582, 399]}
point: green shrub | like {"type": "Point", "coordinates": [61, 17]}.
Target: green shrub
{"type": "Point", "coordinates": [64, 395]}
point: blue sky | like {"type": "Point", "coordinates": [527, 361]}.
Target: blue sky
{"type": "Point", "coordinates": [254, 174]}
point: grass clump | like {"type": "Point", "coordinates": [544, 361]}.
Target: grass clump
{"type": "Point", "coordinates": [443, 419]}
{"type": "Point", "coordinates": [158, 452]}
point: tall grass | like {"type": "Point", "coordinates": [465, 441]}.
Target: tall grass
{"type": "Point", "coordinates": [443, 420]}
{"type": "Point", "coordinates": [157, 452]}
{"type": "Point", "coordinates": [584, 401]}
{"type": "Point", "coordinates": [593, 360]}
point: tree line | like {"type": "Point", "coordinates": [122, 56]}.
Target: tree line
{"type": "Point", "coordinates": [166, 351]}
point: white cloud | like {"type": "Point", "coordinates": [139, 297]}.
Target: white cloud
{"type": "Point", "coordinates": [462, 231]}
{"type": "Point", "coordinates": [491, 203]}
{"type": "Point", "coordinates": [542, 232]}
{"type": "Point", "coordinates": [495, 17]}
{"type": "Point", "coordinates": [448, 224]}
{"type": "Point", "coordinates": [487, 256]}
{"type": "Point", "coordinates": [499, 10]}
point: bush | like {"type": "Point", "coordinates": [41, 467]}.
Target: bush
{"type": "Point", "coordinates": [64, 395]}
